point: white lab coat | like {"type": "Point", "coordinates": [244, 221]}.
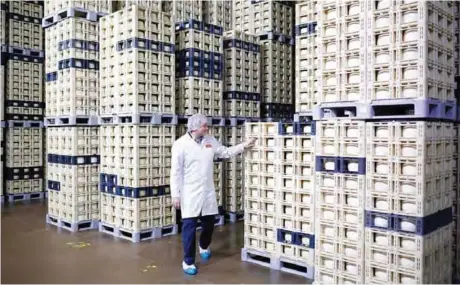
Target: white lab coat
{"type": "Point", "coordinates": [192, 174]}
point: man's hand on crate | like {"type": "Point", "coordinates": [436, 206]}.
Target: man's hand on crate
{"type": "Point", "coordinates": [250, 143]}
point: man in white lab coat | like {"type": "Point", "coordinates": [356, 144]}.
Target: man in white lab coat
{"type": "Point", "coordinates": [192, 185]}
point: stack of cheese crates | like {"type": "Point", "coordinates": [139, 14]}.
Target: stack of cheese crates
{"type": "Point", "coordinates": [279, 197]}
{"type": "Point", "coordinates": [218, 12]}
{"type": "Point", "coordinates": [271, 21]}
{"type": "Point", "coordinates": [72, 101]}
{"type": "Point", "coordinates": [138, 125]}
{"type": "Point", "coordinates": [241, 103]}
{"type": "Point", "coordinates": [384, 142]}
{"type": "Point", "coordinates": [306, 54]}
{"type": "Point", "coordinates": [22, 108]}
{"type": "Point", "coordinates": [199, 81]}
{"type": "Point", "coordinates": [456, 173]}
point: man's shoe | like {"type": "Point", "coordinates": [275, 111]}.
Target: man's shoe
{"type": "Point", "coordinates": [189, 269]}
{"type": "Point", "coordinates": [205, 254]}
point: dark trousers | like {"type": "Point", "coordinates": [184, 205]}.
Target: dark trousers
{"type": "Point", "coordinates": [189, 235]}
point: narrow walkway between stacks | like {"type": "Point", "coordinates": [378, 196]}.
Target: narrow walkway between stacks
{"type": "Point", "coordinates": [34, 252]}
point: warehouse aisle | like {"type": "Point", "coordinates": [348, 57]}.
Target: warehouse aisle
{"type": "Point", "coordinates": [33, 252]}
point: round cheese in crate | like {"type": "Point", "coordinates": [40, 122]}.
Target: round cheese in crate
{"type": "Point", "coordinates": [352, 61]}
{"type": "Point", "coordinates": [289, 142]}
{"type": "Point", "coordinates": [410, 54]}
{"type": "Point", "coordinates": [270, 246]}
{"type": "Point", "coordinates": [270, 181]}
{"type": "Point", "coordinates": [329, 198]}
{"type": "Point", "coordinates": [409, 92]}
{"type": "Point", "coordinates": [381, 168]}
{"type": "Point", "coordinates": [353, 94]}
{"type": "Point", "coordinates": [383, 4]}
{"type": "Point", "coordinates": [354, 10]}
{"type": "Point", "coordinates": [351, 251]}
{"type": "Point", "coordinates": [330, 97]}
{"type": "Point", "coordinates": [330, 14]}
{"type": "Point", "coordinates": [382, 57]}
{"type": "Point", "coordinates": [270, 155]}
{"type": "Point", "coordinates": [289, 156]}
{"type": "Point", "coordinates": [383, 40]}
{"type": "Point", "coordinates": [353, 166]}
{"type": "Point", "coordinates": [288, 237]}
{"type": "Point", "coordinates": [405, 279]}
{"type": "Point", "coordinates": [270, 168]}
{"type": "Point", "coordinates": [410, 16]}
{"type": "Point", "coordinates": [331, 81]}
{"type": "Point", "coordinates": [255, 167]}
{"type": "Point", "coordinates": [305, 240]}
{"type": "Point", "coordinates": [329, 231]}
{"type": "Point", "coordinates": [328, 214]}
{"type": "Point", "coordinates": [410, 35]}
{"type": "Point", "coordinates": [288, 224]}
{"type": "Point", "coordinates": [352, 201]}
{"type": "Point", "coordinates": [255, 129]}
{"type": "Point", "coordinates": [409, 151]}
{"type": "Point", "coordinates": [269, 220]}
{"type": "Point", "coordinates": [270, 194]}
{"type": "Point", "coordinates": [288, 183]}
{"type": "Point", "coordinates": [328, 263]}
{"type": "Point", "coordinates": [380, 273]}
{"type": "Point", "coordinates": [330, 31]}
{"type": "Point", "coordinates": [330, 63]}
{"type": "Point", "coordinates": [329, 149]}
{"type": "Point", "coordinates": [329, 132]}
{"type": "Point", "coordinates": [410, 73]}
{"type": "Point", "coordinates": [351, 183]}
{"type": "Point", "coordinates": [382, 21]}
{"type": "Point", "coordinates": [328, 247]}
{"type": "Point", "coordinates": [408, 244]}
{"type": "Point", "coordinates": [351, 268]}
{"type": "Point", "coordinates": [408, 226]}
{"type": "Point", "coordinates": [255, 180]}
{"type": "Point", "coordinates": [381, 150]}
{"type": "Point", "coordinates": [354, 78]}
{"type": "Point", "coordinates": [354, 44]}
{"type": "Point", "coordinates": [289, 170]}
{"type": "Point", "coordinates": [406, 262]}
{"type": "Point", "coordinates": [381, 186]}
{"type": "Point", "coordinates": [270, 142]}
{"type": "Point", "coordinates": [351, 234]}
{"type": "Point", "coordinates": [330, 47]}
{"type": "Point", "coordinates": [306, 143]}
{"type": "Point", "coordinates": [353, 27]}
{"type": "Point", "coordinates": [254, 242]}
{"type": "Point", "coordinates": [351, 217]}
{"type": "Point", "coordinates": [382, 132]}
{"type": "Point", "coordinates": [288, 197]}
{"type": "Point", "coordinates": [306, 198]}
{"type": "Point", "coordinates": [408, 188]}
{"type": "Point", "coordinates": [409, 169]}
{"type": "Point", "coordinates": [329, 165]}
{"type": "Point", "coordinates": [307, 130]}
{"type": "Point", "coordinates": [381, 239]}
{"type": "Point", "coordinates": [271, 129]}
{"type": "Point", "coordinates": [352, 132]}
{"type": "Point", "coordinates": [409, 132]}
{"type": "Point", "coordinates": [379, 257]}
{"type": "Point", "coordinates": [352, 149]}
{"type": "Point", "coordinates": [383, 75]}
{"type": "Point", "coordinates": [329, 181]}
{"type": "Point", "coordinates": [381, 222]}
{"type": "Point", "coordinates": [327, 279]}
{"type": "Point", "coordinates": [381, 204]}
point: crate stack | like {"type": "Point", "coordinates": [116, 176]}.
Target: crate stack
{"type": "Point", "coordinates": [241, 103]}
{"type": "Point", "coordinates": [456, 190]}
{"type": "Point", "coordinates": [183, 10]}
{"type": "Point", "coordinates": [272, 22]}
{"type": "Point", "coordinates": [138, 125]}
{"type": "Point", "coordinates": [22, 58]}
{"type": "Point", "coordinates": [3, 56]}
{"type": "Point", "coordinates": [279, 198]}
{"type": "Point", "coordinates": [218, 12]}
{"type": "Point", "coordinates": [72, 105]}
{"type": "Point", "coordinates": [306, 52]}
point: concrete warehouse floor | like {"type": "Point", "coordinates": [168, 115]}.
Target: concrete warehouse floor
{"type": "Point", "coordinates": [34, 252]}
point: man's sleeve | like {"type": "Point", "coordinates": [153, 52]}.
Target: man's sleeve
{"type": "Point", "coordinates": [177, 170]}
{"type": "Point", "coordinates": [226, 152]}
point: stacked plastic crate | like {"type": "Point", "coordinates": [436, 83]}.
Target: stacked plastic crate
{"type": "Point", "coordinates": [306, 51]}
{"type": "Point", "coordinates": [72, 101]}
{"type": "Point", "coordinates": [218, 12]}
{"type": "Point", "coordinates": [3, 56]}
{"type": "Point", "coordinates": [138, 125]}
{"type": "Point", "coordinates": [279, 198]}
{"type": "Point", "coordinates": [183, 10]}
{"type": "Point", "coordinates": [241, 103]}
{"type": "Point", "coordinates": [455, 192]}
{"type": "Point", "coordinates": [22, 99]}
{"type": "Point", "coordinates": [272, 22]}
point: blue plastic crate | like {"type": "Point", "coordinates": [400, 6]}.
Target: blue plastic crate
{"type": "Point", "coordinates": [25, 104]}
{"type": "Point", "coordinates": [282, 129]}
{"type": "Point", "coordinates": [425, 225]}
{"type": "Point", "coordinates": [52, 76]}
{"type": "Point", "coordinates": [320, 167]}
{"type": "Point", "coordinates": [78, 44]}
{"type": "Point", "coordinates": [23, 173]}
{"type": "Point", "coordinates": [21, 57]}
{"type": "Point", "coordinates": [74, 160]}
{"type": "Point", "coordinates": [54, 185]}
{"type": "Point", "coordinates": [361, 165]}
{"type": "Point", "coordinates": [370, 220]}
{"type": "Point", "coordinates": [299, 128]}
{"type": "Point", "coordinates": [22, 18]}
{"type": "Point", "coordinates": [280, 236]}
{"type": "Point", "coordinates": [298, 240]}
